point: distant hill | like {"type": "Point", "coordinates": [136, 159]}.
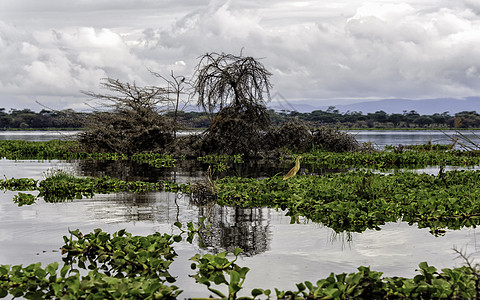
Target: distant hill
{"type": "Point", "coordinates": [423, 107]}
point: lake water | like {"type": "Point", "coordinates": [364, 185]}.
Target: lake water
{"type": "Point", "coordinates": [378, 138]}
{"type": "Point", "coordinates": [381, 138]}
{"type": "Point", "coordinates": [279, 254]}
{"type": "Point", "coordinates": [36, 136]}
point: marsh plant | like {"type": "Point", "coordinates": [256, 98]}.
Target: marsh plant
{"type": "Point", "coordinates": [465, 142]}
{"type": "Point", "coordinates": [99, 265]}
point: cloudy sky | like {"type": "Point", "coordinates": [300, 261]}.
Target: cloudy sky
{"type": "Point", "coordinates": [329, 51]}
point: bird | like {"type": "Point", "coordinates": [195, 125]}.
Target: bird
{"type": "Point", "coordinates": [294, 170]}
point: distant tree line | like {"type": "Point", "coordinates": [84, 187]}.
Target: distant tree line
{"type": "Point", "coordinates": [69, 119]}
{"type": "Point", "coordinates": [28, 119]}
{"type": "Point", "coordinates": [380, 119]}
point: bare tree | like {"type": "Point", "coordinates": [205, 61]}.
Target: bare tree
{"type": "Point", "coordinates": [228, 80]}
{"type": "Point", "coordinates": [128, 120]}
{"type": "Point", "coordinates": [176, 86]}
{"type": "Point", "coordinates": [234, 89]}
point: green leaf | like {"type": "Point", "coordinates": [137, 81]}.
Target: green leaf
{"type": "Point", "coordinates": [257, 292]}
{"type": "Point", "coordinates": [217, 292]}
{"type": "Point", "coordinates": [219, 279]}
{"type": "Point", "coordinates": [4, 269]}
{"type": "Point", "coordinates": [237, 251]}
{"type": "Point", "coordinates": [178, 224]}
{"type": "Point", "coordinates": [301, 287]}
{"type": "Point", "coordinates": [243, 272]}
{"type": "Point", "coordinates": [52, 268]}
{"type": "Point", "coordinates": [234, 277]}
{"type": "Point", "coordinates": [3, 293]}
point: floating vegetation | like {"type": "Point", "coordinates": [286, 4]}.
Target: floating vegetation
{"type": "Point", "coordinates": [393, 159]}
{"type": "Point", "coordinates": [213, 158]}
{"type": "Point", "coordinates": [406, 157]}
{"type": "Point", "coordinates": [356, 201]}
{"type": "Point", "coordinates": [122, 255]}
{"type": "Point", "coordinates": [121, 266]}
{"type": "Point", "coordinates": [55, 149]}
{"type": "Point", "coordinates": [221, 163]}
{"type": "Point", "coordinates": [124, 266]}
{"type": "Point", "coordinates": [18, 184]}
{"type": "Point", "coordinates": [22, 199]}
{"type": "Point", "coordinates": [422, 147]}
{"type": "Point", "coordinates": [351, 202]}
{"type": "Point", "coordinates": [61, 186]}
{"type": "Point", "coordinates": [155, 159]}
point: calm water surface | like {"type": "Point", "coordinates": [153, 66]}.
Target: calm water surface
{"type": "Point", "coordinates": [381, 138]}
{"type": "Point", "coordinates": [36, 136]}
{"type": "Point", "coordinates": [279, 254]}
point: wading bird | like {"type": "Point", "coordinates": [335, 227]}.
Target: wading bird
{"type": "Point", "coordinates": [294, 170]}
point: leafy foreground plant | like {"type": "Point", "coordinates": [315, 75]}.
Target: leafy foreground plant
{"type": "Point", "coordinates": [123, 266]}
{"type": "Point", "coordinates": [356, 201]}
{"type": "Point", "coordinates": [34, 282]}
{"type": "Point", "coordinates": [122, 255]}
{"type": "Point", "coordinates": [211, 269]}
{"type": "Point", "coordinates": [458, 283]}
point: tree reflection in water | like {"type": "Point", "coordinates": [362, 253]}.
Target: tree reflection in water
{"type": "Point", "coordinates": [157, 207]}
{"type": "Point", "coordinates": [232, 227]}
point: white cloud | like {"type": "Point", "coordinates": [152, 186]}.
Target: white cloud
{"type": "Point", "coordinates": [316, 50]}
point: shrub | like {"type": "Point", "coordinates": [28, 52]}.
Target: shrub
{"type": "Point", "coordinates": [334, 140]}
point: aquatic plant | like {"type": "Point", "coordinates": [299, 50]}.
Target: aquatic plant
{"type": "Point", "coordinates": [24, 199]}
{"type": "Point", "coordinates": [121, 266]}
{"type": "Point", "coordinates": [60, 186]}
{"type": "Point", "coordinates": [212, 269]}
{"type": "Point", "coordinates": [356, 201]}
{"type": "Point", "coordinates": [121, 254]}
{"type": "Point", "coordinates": [18, 184]}
{"type": "Point", "coordinates": [124, 266]}
{"type": "Point", "coordinates": [392, 159]}
{"type": "Point", "coordinates": [157, 160]}
{"type": "Point", "coordinates": [54, 149]}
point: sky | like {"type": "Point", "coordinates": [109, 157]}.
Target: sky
{"type": "Point", "coordinates": [329, 52]}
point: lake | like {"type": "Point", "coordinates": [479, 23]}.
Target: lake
{"type": "Point", "coordinates": [378, 138]}
{"type": "Point", "coordinates": [381, 138]}
{"type": "Point", "coordinates": [279, 254]}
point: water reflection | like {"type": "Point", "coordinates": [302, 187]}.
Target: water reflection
{"type": "Point", "coordinates": [229, 227]}
{"type": "Point", "coordinates": [191, 170]}
{"type": "Point", "coordinates": [128, 170]}
{"type": "Point", "coordinates": [232, 227]}
{"type": "Point", "coordinates": [159, 207]}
